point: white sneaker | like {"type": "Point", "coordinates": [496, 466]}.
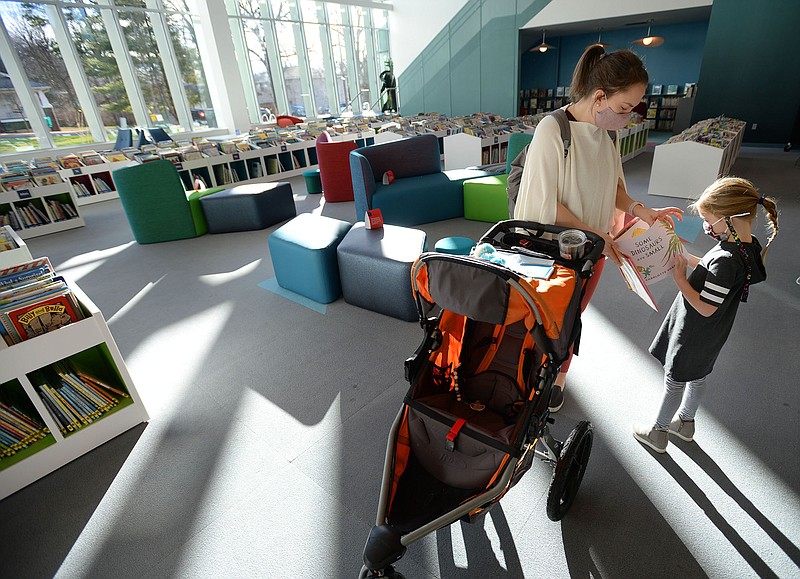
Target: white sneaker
{"type": "Point", "coordinates": [683, 429]}
{"type": "Point", "coordinates": [649, 436]}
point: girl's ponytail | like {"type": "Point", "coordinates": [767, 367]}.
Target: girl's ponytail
{"type": "Point", "coordinates": [771, 209]}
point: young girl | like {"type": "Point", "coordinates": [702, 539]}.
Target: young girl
{"type": "Point", "coordinates": [585, 189]}
{"type": "Point", "coordinates": [701, 317]}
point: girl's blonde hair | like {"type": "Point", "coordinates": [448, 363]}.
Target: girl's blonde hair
{"type": "Point", "coordinates": [728, 196]}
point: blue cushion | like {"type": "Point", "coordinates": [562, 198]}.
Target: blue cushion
{"type": "Point", "coordinates": [303, 255]}
{"type": "Point", "coordinates": [455, 245]}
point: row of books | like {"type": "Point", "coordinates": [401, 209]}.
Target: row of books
{"type": "Point", "coordinates": [34, 301]}
{"type": "Point", "coordinates": [717, 132]}
{"type": "Point", "coordinates": [74, 398]}
{"type": "Point", "coordinates": [18, 430]}
{"type": "Point", "coordinates": [18, 174]}
{"type": "Point", "coordinates": [31, 216]}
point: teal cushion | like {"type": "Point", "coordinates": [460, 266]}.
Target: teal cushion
{"type": "Point", "coordinates": [455, 245]}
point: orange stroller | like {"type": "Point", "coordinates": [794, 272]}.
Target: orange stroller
{"type": "Point", "coordinates": [476, 414]}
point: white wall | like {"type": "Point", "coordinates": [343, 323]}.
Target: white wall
{"type": "Point", "coordinates": [414, 23]}
{"type": "Point", "coordinates": [567, 11]}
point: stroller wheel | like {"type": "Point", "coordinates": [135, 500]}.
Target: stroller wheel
{"type": "Point", "coordinates": [569, 470]}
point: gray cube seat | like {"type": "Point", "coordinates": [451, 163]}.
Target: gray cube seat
{"type": "Point", "coordinates": [248, 207]}
{"type": "Point", "coordinates": [375, 268]}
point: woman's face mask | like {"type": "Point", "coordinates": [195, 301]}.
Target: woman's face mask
{"type": "Point", "coordinates": [611, 120]}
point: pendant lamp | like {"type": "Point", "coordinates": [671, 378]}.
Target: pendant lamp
{"type": "Point", "coordinates": [649, 40]}
{"type": "Point", "coordinates": [605, 45]}
{"type": "Point", "coordinates": [543, 47]}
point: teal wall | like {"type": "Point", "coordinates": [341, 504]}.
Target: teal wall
{"type": "Point", "coordinates": [677, 61]}
{"type": "Point", "coordinates": [472, 64]}
{"type": "Point", "coordinates": [751, 69]}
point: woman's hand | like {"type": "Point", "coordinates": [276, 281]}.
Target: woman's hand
{"type": "Point", "coordinates": [665, 214]}
{"type": "Point", "coordinates": [679, 268]}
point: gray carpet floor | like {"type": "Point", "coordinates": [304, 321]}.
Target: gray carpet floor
{"type": "Point", "coordinates": [269, 421]}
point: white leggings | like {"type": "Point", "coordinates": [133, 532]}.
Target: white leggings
{"type": "Point", "coordinates": [681, 397]}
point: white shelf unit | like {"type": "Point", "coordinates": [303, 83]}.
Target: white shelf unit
{"type": "Point", "coordinates": [20, 254]}
{"type": "Point", "coordinates": [88, 343]}
{"type": "Point", "coordinates": [686, 168]}
{"type": "Point", "coordinates": [93, 183]}
{"type": "Point", "coordinates": [462, 150]}
{"type": "Point", "coordinates": [43, 202]}
{"type": "Point", "coordinates": [633, 140]}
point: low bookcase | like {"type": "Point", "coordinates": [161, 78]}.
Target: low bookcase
{"type": "Point", "coordinates": [89, 346]}
{"type": "Point", "coordinates": [35, 211]}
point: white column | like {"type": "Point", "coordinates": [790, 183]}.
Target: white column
{"type": "Point", "coordinates": [217, 53]}
{"type": "Point", "coordinates": [76, 73]}
{"type": "Point", "coordinates": [171, 70]}
{"type": "Point", "coordinates": [126, 69]}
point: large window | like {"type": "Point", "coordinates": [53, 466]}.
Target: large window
{"type": "Point", "coordinates": [73, 71]}
{"type": "Point", "coordinates": [327, 58]}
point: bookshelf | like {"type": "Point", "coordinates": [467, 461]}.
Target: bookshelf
{"type": "Point", "coordinates": [689, 162]}
{"type": "Point", "coordinates": [633, 140]}
{"type": "Point", "coordinates": [18, 254]}
{"type": "Point", "coordinates": [34, 211]}
{"type": "Point", "coordinates": [93, 183]}
{"type": "Point", "coordinates": [542, 100]}
{"type": "Point", "coordinates": [661, 111]}
{"type": "Point", "coordinates": [462, 150]}
{"type": "Point", "coordinates": [89, 347]}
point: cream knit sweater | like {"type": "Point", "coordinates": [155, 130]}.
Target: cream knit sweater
{"type": "Point", "coordinates": [585, 182]}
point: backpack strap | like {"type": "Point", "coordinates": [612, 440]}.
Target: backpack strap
{"type": "Point", "coordinates": [560, 115]}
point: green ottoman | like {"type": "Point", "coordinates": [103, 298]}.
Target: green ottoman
{"type": "Point", "coordinates": [486, 199]}
{"type": "Point", "coordinates": [313, 181]}
{"type": "Point", "coordinates": [455, 245]}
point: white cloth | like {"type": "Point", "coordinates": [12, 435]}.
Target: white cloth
{"type": "Point", "coordinates": [586, 183]}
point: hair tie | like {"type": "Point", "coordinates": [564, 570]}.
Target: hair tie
{"type": "Point", "coordinates": [602, 56]}
{"type": "Point", "coordinates": [761, 201]}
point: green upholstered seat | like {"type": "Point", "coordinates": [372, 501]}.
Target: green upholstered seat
{"type": "Point", "coordinates": [486, 199]}
{"type": "Point", "coordinates": [156, 204]}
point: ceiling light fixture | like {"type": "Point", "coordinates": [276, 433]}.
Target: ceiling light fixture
{"type": "Point", "coordinates": [543, 47]}
{"type": "Point", "coordinates": [649, 40]}
{"type": "Point", "coordinates": [605, 45]}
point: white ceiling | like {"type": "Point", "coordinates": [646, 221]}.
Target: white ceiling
{"type": "Point", "coordinates": [569, 17]}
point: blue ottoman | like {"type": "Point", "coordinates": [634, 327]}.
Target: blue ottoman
{"type": "Point", "coordinates": [303, 255]}
{"type": "Point", "coordinates": [375, 268]}
{"type": "Point", "coordinates": [455, 245]}
{"type": "Point", "coordinates": [248, 207]}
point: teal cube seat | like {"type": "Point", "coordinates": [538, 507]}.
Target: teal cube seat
{"type": "Point", "coordinates": [455, 245]}
{"type": "Point", "coordinates": [313, 181]}
{"type": "Point", "coordinates": [303, 253]}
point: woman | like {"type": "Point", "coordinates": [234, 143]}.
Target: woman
{"type": "Point", "coordinates": [586, 189]}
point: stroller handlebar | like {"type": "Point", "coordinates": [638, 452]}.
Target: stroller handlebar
{"type": "Point", "coordinates": [534, 232]}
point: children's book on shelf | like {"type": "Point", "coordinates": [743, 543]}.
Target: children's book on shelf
{"type": "Point", "coordinates": [8, 240]}
{"type": "Point", "coordinates": [649, 251]}
{"type": "Point", "coordinates": [34, 301]}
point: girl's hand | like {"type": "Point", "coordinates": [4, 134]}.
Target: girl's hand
{"type": "Point", "coordinates": [666, 214]}
{"type": "Point", "coordinates": [611, 250]}
{"type": "Point", "coordinates": [679, 268]}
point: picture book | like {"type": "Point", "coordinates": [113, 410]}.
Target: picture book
{"type": "Point", "coordinates": [650, 250]}
{"type": "Point", "coordinates": [41, 316]}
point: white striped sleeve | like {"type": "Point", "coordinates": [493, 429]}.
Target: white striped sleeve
{"type": "Point", "coordinates": [713, 294]}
